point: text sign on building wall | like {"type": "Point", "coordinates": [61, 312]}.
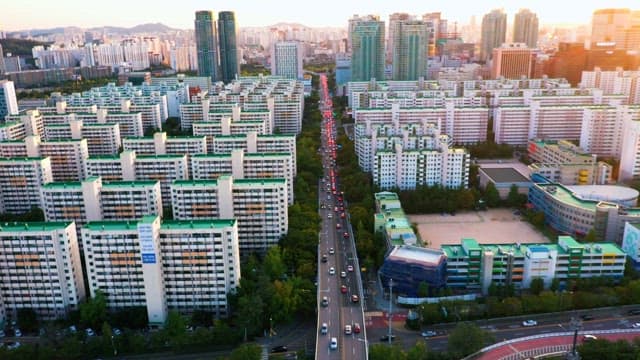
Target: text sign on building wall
{"type": "Point", "coordinates": [147, 245]}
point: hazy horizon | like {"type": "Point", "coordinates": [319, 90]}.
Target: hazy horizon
{"type": "Point", "coordinates": [41, 14]}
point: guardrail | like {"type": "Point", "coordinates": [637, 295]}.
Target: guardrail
{"type": "Point", "coordinates": [548, 335]}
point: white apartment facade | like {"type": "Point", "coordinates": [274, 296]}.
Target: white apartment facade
{"type": "Point", "coordinates": [20, 182]}
{"type": "Point", "coordinates": [172, 265]}
{"type": "Point", "coordinates": [259, 205]}
{"type": "Point", "coordinates": [40, 268]}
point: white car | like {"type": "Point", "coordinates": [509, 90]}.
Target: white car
{"type": "Point", "coordinates": [347, 329]}
{"type": "Point", "coordinates": [349, 268]}
{"type": "Point", "coordinates": [428, 333]}
{"type": "Point", "coordinates": [529, 323]}
{"type": "Point", "coordinates": [333, 344]}
{"type": "Point", "coordinates": [332, 271]}
{"type": "Point", "coordinates": [636, 325]}
{"type": "Point", "coordinates": [17, 333]}
{"type": "Point", "coordinates": [343, 274]}
{"type": "Point", "coordinates": [324, 329]}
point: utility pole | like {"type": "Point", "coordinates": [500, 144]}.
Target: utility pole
{"type": "Point", "coordinates": [575, 325]}
{"type": "Point", "coordinates": [390, 308]}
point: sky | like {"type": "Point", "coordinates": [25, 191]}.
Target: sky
{"type": "Point", "coordinates": [32, 14]}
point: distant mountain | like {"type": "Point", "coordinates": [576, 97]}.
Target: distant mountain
{"type": "Point", "coordinates": [143, 28]}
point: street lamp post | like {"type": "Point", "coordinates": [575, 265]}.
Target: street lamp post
{"type": "Point", "coordinates": [575, 325]}
{"type": "Point", "coordinates": [390, 308]}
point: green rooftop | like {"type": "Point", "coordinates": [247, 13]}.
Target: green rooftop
{"type": "Point", "coordinates": [77, 185]}
{"type": "Point", "coordinates": [111, 225]}
{"type": "Point", "coordinates": [22, 159]}
{"type": "Point", "coordinates": [262, 181]}
{"type": "Point", "coordinates": [197, 224]}
{"type": "Point", "coordinates": [166, 157]}
{"type": "Point", "coordinates": [211, 182]}
{"type": "Point", "coordinates": [137, 183]}
{"type": "Point", "coordinates": [33, 226]}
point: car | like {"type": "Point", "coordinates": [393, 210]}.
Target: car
{"type": "Point", "coordinates": [343, 289]}
{"type": "Point", "coordinates": [325, 301]}
{"type": "Point", "coordinates": [338, 226]}
{"type": "Point", "coordinates": [331, 251]}
{"type": "Point", "coordinates": [356, 328]}
{"type": "Point", "coordinates": [428, 333]}
{"type": "Point", "coordinates": [588, 337]}
{"type": "Point", "coordinates": [332, 271]}
{"type": "Point", "coordinates": [333, 344]}
{"type": "Point", "coordinates": [17, 333]}
{"type": "Point", "coordinates": [117, 332]}
{"type": "Point", "coordinates": [386, 337]}
{"type": "Point", "coordinates": [12, 345]}
{"type": "Point", "coordinates": [529, 323]}
{"type": "Point", "coordinates": [73, 329]}
{"type": "Point", "coordinates": [347, 329]}
{"type": "Point", "coordinates": [89, 332]}
{"type": "Point", "coordinates": [324, 258]}
{"type": "Point", "coordinates": [355, 298]}
{"type": "Point", "coordinates": [346, 235]}
{"type": "Point", "coordinates": [329, 216]}
{"type": "Point", "coordinates": [350, 268]}
{"type": "Point", "coordinates": [324, 329]}
{"type": "Point", "coordinates": [342, 215]}
{"type": "Point", "coordinates": [587, 317]}
{"type": "Point", "coordinates": [634, 312]}
{"type": "Point", "coordinates": [279, 349]}
{"type": "Point", "coordinates": [343, 274]}
{"type": "Point", "coordinates": [636, 325]}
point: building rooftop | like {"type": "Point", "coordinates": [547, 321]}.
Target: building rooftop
{"type": "Point", "coordinates": [612, 193]}
{"type": "Point", "coordinates": [33, 226]}
{"type": "Point", "coordinates": [121, 184]}
{"type": "Point", "coordinates": [414, 254]}
{"type": "Point", "coordinates": [504, 175]}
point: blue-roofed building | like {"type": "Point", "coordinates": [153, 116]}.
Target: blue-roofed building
{"type": "Point", "coordinates": [409, 266]}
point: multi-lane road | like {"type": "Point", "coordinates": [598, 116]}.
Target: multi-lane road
{"type": "Point", "coordinates": [339, 282]}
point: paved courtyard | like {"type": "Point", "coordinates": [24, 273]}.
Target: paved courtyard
{"type": "Point", "coordinates": [494, 226]}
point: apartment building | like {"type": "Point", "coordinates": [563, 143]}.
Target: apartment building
{"type": "Point", "coordinates": [475, 266]}
{"type": "Point", "coordinates": [630, 149]}
{"type": "Point", "coordinates": [391, 220]}
{"type": "Point", "coordinates": [93, 200]}
{"type": "Point", "coordinates": [565, 163]}
{"type": "Point", "coordinates": [67, 156]}
{"type": "Point", "coordinates": [228, 127]}
{"type": "Point", "coordinates": [129, 122]}
{"type": "Point", "coordinates": [410, 155]}
{"type": "Point", "coordinates": [616, 81]}
{"type": "Point", "coordinates": [259, 206]}
{"type": "Point", "coordinates": [32, 120]}
{"type": "Point", "coordinates": [160, 144]}
{"type": "Point", "coordinates": [163, 168]}
{"type": "Point", "coordinates": [202, 111]}
{"type": "Point", "coordinates": [20, 182]}
{"type": "Point", "coordinates": [172, 265]}
{"type": "Point", "coordinates": [40, 268]}
{"type": "Point", "coordinates": [102, 139]}
{"type": "Point", "coordinates": [12, 130]}
{"type": "Point", "coordinates": [241, 165]}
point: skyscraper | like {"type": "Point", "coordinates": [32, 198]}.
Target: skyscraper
{"type": "Point", "coordinates": [229, 63]}
{"type": "Point", "coordinates": [2, 67]}
{"type": "Point", "coordinates": [410, 49]}
{"type": "Point", "coordinates": [286, 59]}
{"type": "Point", "coordinates": [207, 45]}
{"type": "Point", "coordinates": [394, 19]}
{"type": "Point", "coordinates": [494, 30]}
{"type": "Point", "coordinates": [618, 26]}
{"type": "Point", "coordinates": [367, 48]}
{"type": "Point", "coordinates": [525, 28]}
{"type": "Point", "coordinates": [8, 102]}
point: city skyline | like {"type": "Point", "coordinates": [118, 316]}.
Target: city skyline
{"type": "Point", "coordinates": [21, 16]}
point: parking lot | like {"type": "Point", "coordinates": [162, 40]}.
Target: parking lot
{"type": "Point", "coordinates": [494, 226]}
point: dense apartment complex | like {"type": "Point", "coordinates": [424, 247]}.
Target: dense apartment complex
{"type": "Point", "coordinates": [410, 155]}
{"type": "Point", "coordinates": [20, 183]}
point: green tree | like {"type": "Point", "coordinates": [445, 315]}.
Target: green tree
{"type": "Point", "coordinates": [536, 286]}
{"type": "Point", "coordinates": [492, 197]}
{"type": "Point", "coordinates": [591, 236]}
{"type": "Point", "coordinates": [27, 319]}
{"type": "Point", "coordinates": [555, 284]}
{"type": "Point", "coordinates": [418, 352]}
{"type": "Point", "coordinates": [273, 265]}
{"type": "Point", "coordinates": [466, 339]}
{"type": "Point", "coordinates": [386, 352]}
{"type": "Point", "coordinates": [246, 352]}
{"type": "Point", "coordinates": [513, 198]}
{"type": "Point", "coordinates": [175, 326]}
{"type": "Point", "coordinates": [94, 312]}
